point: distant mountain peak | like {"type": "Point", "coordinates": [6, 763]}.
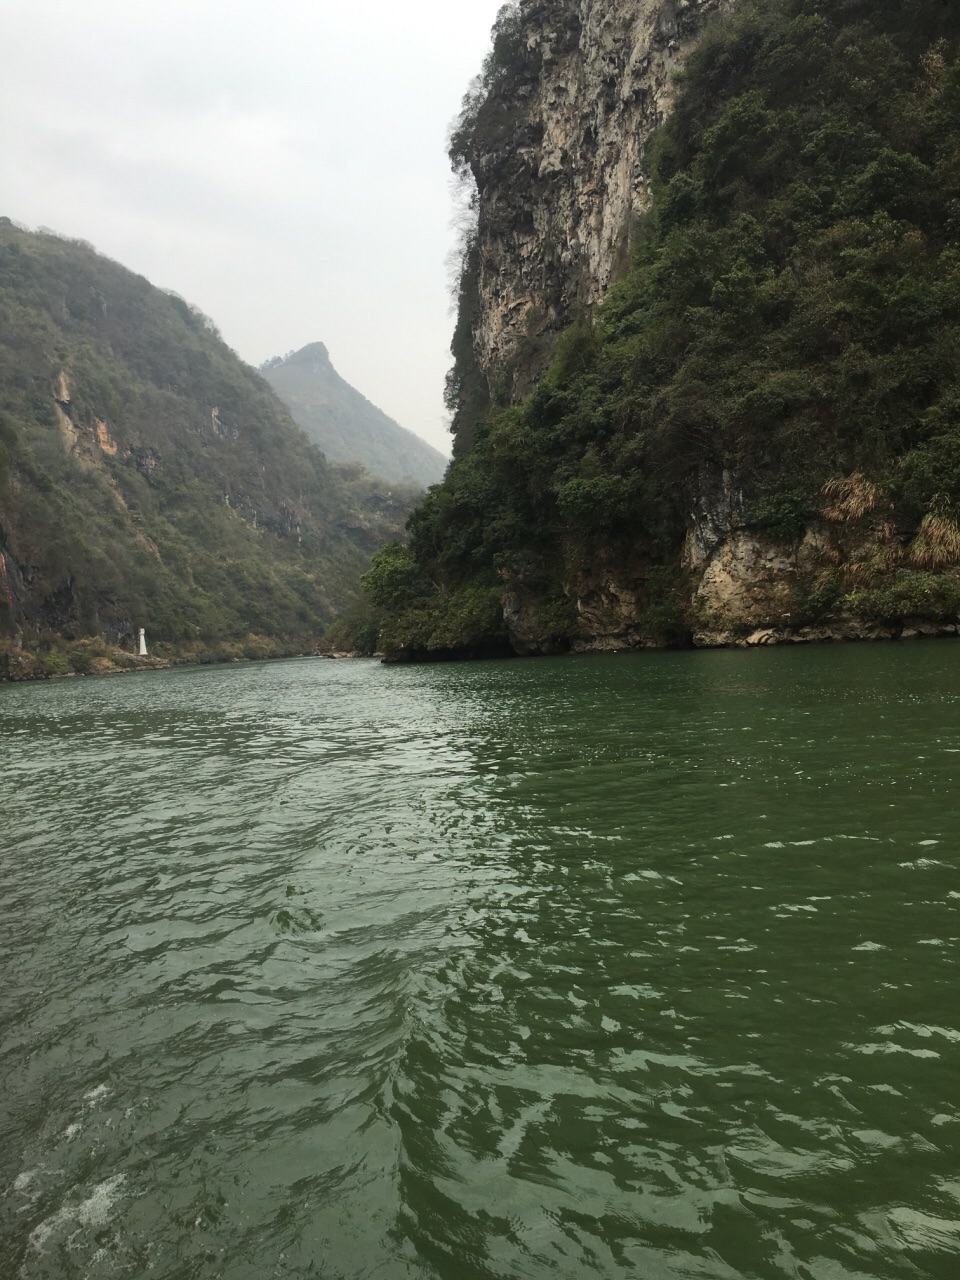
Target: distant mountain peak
{"type": "Point", "coordinates": [343, 422]}
{"type": "Point", "coordinates": [312, 353]}
{"type": "Point", "coordinates": [148, 478]}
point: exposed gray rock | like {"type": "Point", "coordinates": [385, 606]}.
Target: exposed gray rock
{"type": "Point", "coordinates": [562, 182]}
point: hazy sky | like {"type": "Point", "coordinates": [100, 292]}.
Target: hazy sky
{"type": "Point", "coordinates": [282, 165]}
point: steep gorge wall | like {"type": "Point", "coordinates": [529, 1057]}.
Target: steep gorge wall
{"type": "Point", "coordinates": [559, 168]}
{"type": "Point", "coordinates": [761, 440]}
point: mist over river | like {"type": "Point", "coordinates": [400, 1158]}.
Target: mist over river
{"type": "Point", "coordinates": [629, 966]}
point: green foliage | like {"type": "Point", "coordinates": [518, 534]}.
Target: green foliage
{"type": "Point", "coordinates": [933, 596]}
{"type": "Point", "coordinates": [820, 600]}
{"type": "Point", "coordinates": [356, 631]}
{"type": "Point", "coordinates": [781, 514]}
{"type": "Point", "coordinates": [930, 472]}
{"type": "Point", "coordinates": [792, 313]}
{"type": "Point", "coordinates": [576, 351]}
{"type": "Point", "coordinates": [54, 662]}
{"type": "Point", "coordinates": [486, 120]}
{"type": "Point", "coordinates": [81, 661]}
{"type": "Point", "coordinates": [393, 578]}
{"type": "Point", "coordinates": [169, 488]}
{"type": "Point", "coordinates": [466, 393]}
{"type": "Point", "coordinates": [665, 620]}
{"type": "Point", "coordinates": [555, 619]}
{"type": "Point", "coordinates": [413, 615]}
{"type": "Point", "coordinates": [469, 617]}
{"type": "Point", "coordinates": [463, 622]}
{"type": "Point", "coordinates": [596, 502]}
{"type": "Point", "coordinates": [485, 117]}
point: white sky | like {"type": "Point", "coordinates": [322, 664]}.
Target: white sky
{"type": "Point", "coordinates": [281, 165]}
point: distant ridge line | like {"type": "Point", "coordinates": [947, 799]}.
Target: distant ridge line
{"type": "Point", "coordinates": [345, 424]}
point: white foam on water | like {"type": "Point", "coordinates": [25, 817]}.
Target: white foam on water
{"type": "Point", "coordinates": [23, 1180]}
{"type": "Point", "coordinates": [97, 1095]}
{"type": "Point", "coordinates": [95, 1211]}
{"type": "Point", "coordinates": [92, 1212]}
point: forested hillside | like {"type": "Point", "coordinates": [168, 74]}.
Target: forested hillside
{"type": "Point", "coordinates": [344, 424]}
{"type": "Point", "coordinates": [757, 434]}
{"type": "Point", "coordinates": [149, 478]}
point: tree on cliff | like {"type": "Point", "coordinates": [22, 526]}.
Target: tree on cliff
{"type": "Point", "coordinates": [791, 318]}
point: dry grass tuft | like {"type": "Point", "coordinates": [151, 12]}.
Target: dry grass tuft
{"type": "Point", "coordinates": [851, 497]}
{"type": "Point", "coordinates": [933, 67]}
{"type": "Point", "coordinates": [937, 543]}
{"type": "Point", "coordinates": [877, 561]}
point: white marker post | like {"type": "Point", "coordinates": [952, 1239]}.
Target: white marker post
{"type": "Point", "coordinates": [143, 642]}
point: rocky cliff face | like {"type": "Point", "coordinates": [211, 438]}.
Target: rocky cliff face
{"type": "Point", "coordinates": [760, 438]}
{"type": "Point", "coordinates": [559, 167]}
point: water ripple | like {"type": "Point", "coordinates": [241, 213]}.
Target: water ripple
{"type": "Point", "coordinates": [636, 966]}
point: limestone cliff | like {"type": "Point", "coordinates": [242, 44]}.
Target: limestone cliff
{"type": "Point", "coordinates": [755, 436]}
{"type": "Point", "coordinates": [558, 163]}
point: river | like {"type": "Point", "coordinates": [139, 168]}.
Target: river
{"type": "Point", "coordinates": [619, 966]}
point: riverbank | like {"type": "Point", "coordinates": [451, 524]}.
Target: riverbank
{"type": "Point", "coordinates": [61, 659]}
{"type": "Point", "coordinates": [93, 657]}
{"type": "Point", "coordinates": [80, 658]}
{"type": "Point", "coordinates": [842, 633]}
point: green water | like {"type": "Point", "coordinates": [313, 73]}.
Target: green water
{"type": "Point", "coordinates": [640, 966]}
